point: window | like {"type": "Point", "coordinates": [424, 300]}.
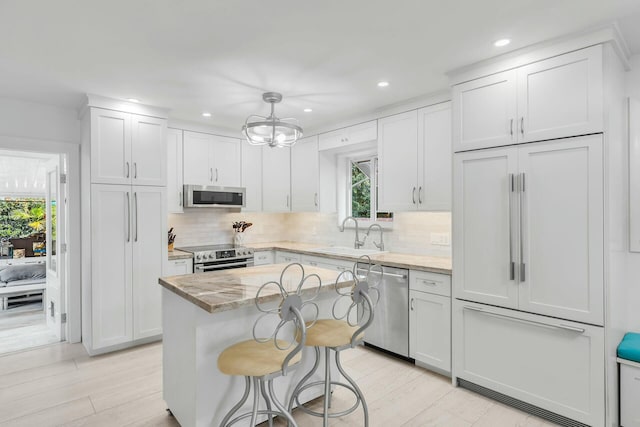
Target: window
{"type": "Point", "coordinates": [363, 194]}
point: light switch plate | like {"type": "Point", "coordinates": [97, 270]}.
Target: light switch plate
{"type": "Point", "coordinates": [441, 239]}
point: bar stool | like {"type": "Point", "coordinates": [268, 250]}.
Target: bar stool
{"type": "Point", "coordinates": [345, 330]}
{"type": "Point", "coordinates": [262, 359]}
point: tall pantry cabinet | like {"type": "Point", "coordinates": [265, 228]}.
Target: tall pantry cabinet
{"type": "Point", "coordinates": [124, 202]}
{"type": "Point", "coordinates": [534, 149]}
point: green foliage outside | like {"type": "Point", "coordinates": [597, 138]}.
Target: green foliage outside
{"type": "Point", "coordinates": [360, 193]}
{"type": "Point", "coordinates": [22, 218]}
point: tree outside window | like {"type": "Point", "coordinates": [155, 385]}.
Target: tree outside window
{"type": "Point", "coordinates": [364, 190]}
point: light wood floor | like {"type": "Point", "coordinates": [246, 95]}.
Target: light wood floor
{"type": "Point", "coordinates": [24, 327]}
{"type": "Point", "coordinates": [61, 385]}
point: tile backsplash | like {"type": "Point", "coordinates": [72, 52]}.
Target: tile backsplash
{"type": "Point", "coordinates": [413, 232]}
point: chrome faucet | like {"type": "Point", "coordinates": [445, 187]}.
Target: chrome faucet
{"type": "Point", "coordinates": [358, 243]}
{"type": "Point", "coordinates": [378, 245]}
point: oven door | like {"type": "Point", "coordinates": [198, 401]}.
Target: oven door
{"type": "Point", "coordinates": [223, 265]}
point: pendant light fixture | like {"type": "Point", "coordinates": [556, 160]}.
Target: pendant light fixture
{"type": "Point", "coordinates": [271, 130]}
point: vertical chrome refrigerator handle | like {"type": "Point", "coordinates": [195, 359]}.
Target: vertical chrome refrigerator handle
{"type": "Point", "coordinates": [522, 263]}
{"type": "Point", "coordinates": [135, 207]}
{"type": "Point", "coordinates": [128, 218]}
{"type": "Point", "coordinates": [512, 264]}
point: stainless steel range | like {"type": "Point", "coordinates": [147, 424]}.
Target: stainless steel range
{"type": "Point", "coordinates": [219, 257]}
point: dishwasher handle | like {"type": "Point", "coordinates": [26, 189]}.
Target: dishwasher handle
{"type": "Point", "coordinates": [384, 273]}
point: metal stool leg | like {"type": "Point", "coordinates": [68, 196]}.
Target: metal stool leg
{"type": "Point", "coordinates": [327, 386]}
{"type": "Point", "coordinates": [254, 410]}
{"type": "Point", "coordinates": [296, 390]}
{"type": "Point", "coordinates": [268, 402]}
{"type": "Point", "coordinates": [281, 408]}
{"type": "Point", "coordinates": [239, 404]}
{"type": "Point", "coordinates": [355, 386]}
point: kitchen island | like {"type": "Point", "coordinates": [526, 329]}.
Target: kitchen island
{"type": "Point", "coordinates": [204, 313]}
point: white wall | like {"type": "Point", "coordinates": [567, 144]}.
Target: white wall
{"type": "Point", "coordinates": [633, 265]}
{"type": "Point", "coordinates": [38, 121]}
{"type": "Point", "coordinates": [411, 232]}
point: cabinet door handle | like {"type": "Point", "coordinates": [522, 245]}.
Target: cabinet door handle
{"type": "Point", "coordinates": [511, 127]}
{"type": "Point", "coordinates": [127, 173]}
{"type": "Point", "coordinates": [512, 264]}
{"type": "Point", "coordinates": [529, 322]}
{"type": "Point", "coordinates": [413, 195]}
{"type": "Point", "coordinates": [135, 170]}
{"type": "Point", "coordinates": [315, 199]}
{"type": "Point", "coordinates": [522, 222]}
{"type": "Point", "coordinates": [135, 207]}
{"type": "Point", "coordinates": [128, 218]}
{"type": "Point", "coordinates": [428, 282]}
{"type": "Point", "coordinates": [210, 174]}
{"type": "Point", "coordinates": [179, 262]}
{"type": "Point", "coordinates": [287, 200]}
{"type": "Point", "coordinates": [216, 174]}
{"type": "Point", "coordinates": [420, 195]}
{"type": "Point", "coordinates": [179, 198]}
{"type": "Point", "coordinates": [411, 304]}
{"type": "Point", "coordinates": [522, 125]}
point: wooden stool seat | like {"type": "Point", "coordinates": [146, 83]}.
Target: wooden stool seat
{"type": "Point", "coordinates": [330, 333]}
{"type": "Point", "coordinates": [254, 359]}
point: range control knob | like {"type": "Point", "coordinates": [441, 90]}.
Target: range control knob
{"type": "Point", "coordinates": [242, 253]}
{"type": "Point", "coordinates": [198, 257]}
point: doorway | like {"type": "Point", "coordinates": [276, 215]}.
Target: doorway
{"type": "Point", "coordinates": [33, 249]}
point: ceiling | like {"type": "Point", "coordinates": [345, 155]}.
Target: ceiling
{"type": "Point", "coordinates": [219, 56]}
{"type": "Point", "coordinates": [23, 173]}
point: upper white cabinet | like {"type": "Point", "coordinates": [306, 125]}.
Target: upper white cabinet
{"type": "Point", "coordinates": [305, 175]}
{"type": "Point", "coordinates": [528, 228]}
{"type": "Point", "coordinates": [414, 151]}
{"type": "Point", "coordinates": [252, 176]}
{"type": "Point", "coordinates": [351, 135]}
{"type": "Point", "coordinates": [276, 179]}
{"type": "Point", "coordinates": [174, 171]}
{"type": "Point", "coordinates": [554, 98]}
{"type": "Point", "coordinates": [211, 160]}
{"type": "Point", "coordinates": [127, 148]}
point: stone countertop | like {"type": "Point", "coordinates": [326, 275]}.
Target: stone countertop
{"type": "Point", "coordinates": [218, 291]}
{"type": "Point", "coordinates": [178, 254]}
{"type": "Point", "coordinates": [391, 259]}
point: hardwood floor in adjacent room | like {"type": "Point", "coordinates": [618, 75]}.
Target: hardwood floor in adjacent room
{"type": "Point", "coordinates": [61, 385]}
{"type": "Point", "coordinates": [24, 327]}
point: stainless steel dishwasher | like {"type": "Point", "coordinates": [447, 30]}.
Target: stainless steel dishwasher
{"type": "Point", "coordinates": [390, 328]}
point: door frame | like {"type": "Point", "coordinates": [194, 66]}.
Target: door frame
{"type": "Point", "coordinates": [72, 153]}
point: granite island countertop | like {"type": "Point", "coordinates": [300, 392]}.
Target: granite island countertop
{"type": "Point", "coordinates": [217, 291]}
{"type": "Point", "coordinates": [391, 259]}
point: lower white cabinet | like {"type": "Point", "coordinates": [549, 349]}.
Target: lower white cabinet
{"type": "Point", "coordinates": [176, 267]}
{"type": "Point", "coordinates": [128, 250]}
{"type": "Point", "coordinates": [283, 256]}
{"type": "Point", "coordinates": [328, 263]}
{"type": "Point", "coordinates": [551, 363]}
{"type": "Point", "coordinates": [430, 320]}
{"type": "Point", "coordinates": [263, 257]}
{"type": "Point", "coordinates": [629, 394]}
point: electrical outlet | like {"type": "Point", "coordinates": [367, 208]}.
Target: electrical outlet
{"type": "Point", "coordinates": [441, 239]}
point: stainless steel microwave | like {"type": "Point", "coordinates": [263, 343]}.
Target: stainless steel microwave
{"type": "Point", "coordinates": [202, 196]}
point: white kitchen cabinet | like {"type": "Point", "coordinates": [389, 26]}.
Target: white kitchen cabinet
{"type": "Point", "coordinates": [363, 132]}
{"type": "Point", "coordinates": [176, 267]}
{"type": "Point", "coordinates": [434, 158]}
{"type": "Point", "coordinates": [252, 176]}
{"type": "Point", "coordinates": [414, 158]}
{"type": "Point", "coordinates": [128, 245]}
{"type": "Point", "coordinates": [528, 228]}
{"type": "Point", "coordinates": [211, 160]}
{"type": "Point", "coordinates": [174, 171]}
{"type": "Point", "coordinates": [629, 393]}
{"type": "Point", "coordinates": [553, 98]}
{"type": "Point", "coordinates": [286, 257]}
{"type": "Point", "coordinates": [127, 148]}
{"type": "Point", "coordinates": [329, 263]}
{"type": "Point", "coordinates": [430, 320]}
{"type": "Point", "coordinates": [553, 364]}
{"type": "Point", "coordinates": [397, 154]}
{"type": "Point", "coordinates": [276, 179]}
{"type": "Point", "coordinates": [263, 257]}
{"type": "Point", "coordinates": [305, 175]}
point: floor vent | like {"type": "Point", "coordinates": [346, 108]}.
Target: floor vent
{"type": "Point", "coordinates": [519, 404]}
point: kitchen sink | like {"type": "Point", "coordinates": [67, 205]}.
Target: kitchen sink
{"type": "Point", "coordinates": [341, 250]}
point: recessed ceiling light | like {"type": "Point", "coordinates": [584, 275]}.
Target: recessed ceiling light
{"type": "Point", "coordinates": [307, 110]}
{"type": "Point", "coordinates": [205, 114]}
{"type": "Point", "coordinates": [133, 100]}
{"type": "Point", "coordinates": [501, 42]}
{"type": "Point", "coordinates": [383, 84]}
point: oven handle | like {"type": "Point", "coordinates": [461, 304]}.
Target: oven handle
{"type": "Point", "coordinates": [244, 263]}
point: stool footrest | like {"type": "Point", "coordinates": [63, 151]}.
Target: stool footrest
{"type": "Point", "coordinates": [333, 414]}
